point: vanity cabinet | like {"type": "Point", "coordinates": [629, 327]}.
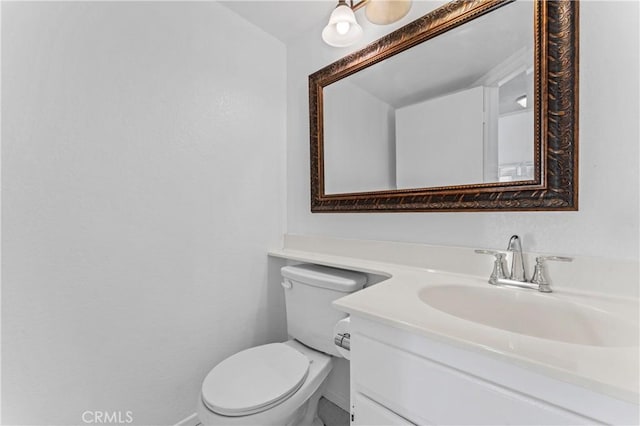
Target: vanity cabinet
{"type": "Point", "coordinates": [400, 378]}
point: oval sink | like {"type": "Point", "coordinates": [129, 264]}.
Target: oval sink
{"type": "Point", "coordinates": [532, 314]}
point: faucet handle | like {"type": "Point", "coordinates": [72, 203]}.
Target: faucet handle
{"type": "Point", "coordinates": [541, 259]}
{"type": "Point", "coordinates": [491, 252]}
{"type": "Point", "coordinates": [538, 272]}
{"type": "Point", "coordinates": [498, 272]}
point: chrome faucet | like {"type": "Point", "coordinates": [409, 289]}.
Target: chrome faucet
{"type": "Point", "coordinates": [518, 275]}
{"type": "Point", "coordinates": [518, 272]}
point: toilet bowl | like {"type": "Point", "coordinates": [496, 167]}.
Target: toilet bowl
{"type": "Point", "coordinates": [296, 406]}
{"type": "Point", "coordinates": [280, 384]}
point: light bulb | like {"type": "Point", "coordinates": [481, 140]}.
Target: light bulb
{"type": "Point", "coordinates": [342, 27]}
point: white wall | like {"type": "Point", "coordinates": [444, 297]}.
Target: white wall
{"type": "Point", "coordinates": [515, 137]}
{"type": "Point", "coordinates": [143, 181]}
{"type": "Point", "coordinates": [357, 157]}
{"type": "Point", "coordinates": [607, 223]}
{"type": "Point", "coordinates": [440, 141]}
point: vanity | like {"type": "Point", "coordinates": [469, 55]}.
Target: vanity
{"type": "Point", "coordinates": [435, 343]}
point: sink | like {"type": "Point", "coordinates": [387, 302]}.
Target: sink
{"type": "Point", "coordinates": [532, 314]}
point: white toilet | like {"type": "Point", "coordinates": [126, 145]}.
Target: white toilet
{"type": "Point", "coordinates": [280, 383]}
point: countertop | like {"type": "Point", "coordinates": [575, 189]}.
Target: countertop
{"type": "Point", "coordinates": [613, 371]}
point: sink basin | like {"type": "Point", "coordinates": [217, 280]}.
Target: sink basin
{"type": "Point", "coordinates": [533, 314]}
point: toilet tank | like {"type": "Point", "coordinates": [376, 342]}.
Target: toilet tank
{"type": "Point", "coordinates": [309, 291]}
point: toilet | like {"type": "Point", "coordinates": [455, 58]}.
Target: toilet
{"type": "Point", "coordinates": [280, 384]}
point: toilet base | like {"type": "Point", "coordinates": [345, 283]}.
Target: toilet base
{"type": "Point", "coordinates": [310, 417]}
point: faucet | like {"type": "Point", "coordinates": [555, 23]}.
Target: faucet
{"type": "Point", "coordinates": [518, 272]}
{"type": "Point", "coordinates": [518, 275]}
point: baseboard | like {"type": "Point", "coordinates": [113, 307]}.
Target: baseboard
{"type": "Point", "coordinates": [338, 399]}
{"type": "Point", "coordinates": [192, 420]}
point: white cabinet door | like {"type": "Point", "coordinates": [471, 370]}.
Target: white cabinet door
{"type": "Point", "coordinates": [366, 412]}
{"type": "Point", "coordinates": [424, 391]}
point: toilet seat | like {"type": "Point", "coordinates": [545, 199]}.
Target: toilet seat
{"type": "Point", "coordinates": [254, 380]}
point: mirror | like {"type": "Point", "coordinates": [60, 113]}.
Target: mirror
{"type": "Point", "coordinates": [437, 116]}
{"type": "Point", "coordinates": [471, 107]}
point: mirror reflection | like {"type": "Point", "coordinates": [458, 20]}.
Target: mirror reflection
{"type": "Point", "coordinates": [454, 110]}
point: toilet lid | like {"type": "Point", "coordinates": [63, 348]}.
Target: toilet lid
{"type": "Point", "coordinates": [254, 380]}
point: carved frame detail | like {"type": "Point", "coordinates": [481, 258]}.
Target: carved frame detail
{"type": "Point", "coordinates": [555, 184]}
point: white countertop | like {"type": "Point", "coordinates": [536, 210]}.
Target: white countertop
{"type": "Point", "coordinates": [613, 371]}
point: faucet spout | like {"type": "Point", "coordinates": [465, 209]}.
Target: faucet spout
{"type": "Point", "coordinates": [518, 272]}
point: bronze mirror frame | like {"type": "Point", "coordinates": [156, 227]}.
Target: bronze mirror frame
{"type": "Point", "coordinates": [555, 183]}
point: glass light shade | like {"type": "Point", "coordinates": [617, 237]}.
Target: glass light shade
{"type": "Point", "coordinates": [342, 29]}
{"type": "Point", "coordinates": [522, 101]}
{"type": "Point", "coordinates": [384, 12]}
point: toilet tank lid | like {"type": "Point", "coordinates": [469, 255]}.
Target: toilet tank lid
{"type": "Point", "coordinates": [325, 277]}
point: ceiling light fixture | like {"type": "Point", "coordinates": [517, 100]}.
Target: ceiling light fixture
{"type": "Point", "coordinates": [343, 29]}
{"type": "Point", "coordinates": [522, 101]}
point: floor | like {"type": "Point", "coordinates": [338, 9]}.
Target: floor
{"type": "Point", "coordinates": [331, 414]}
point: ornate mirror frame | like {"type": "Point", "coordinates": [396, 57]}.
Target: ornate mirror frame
{"type": "Point", "coordinates": [555, 184]}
